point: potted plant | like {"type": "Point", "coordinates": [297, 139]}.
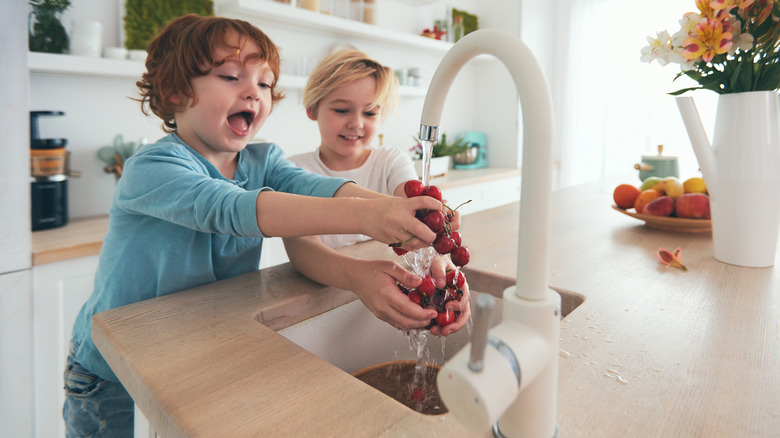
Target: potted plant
{"type": "Point", "coordinates": [46, 32]}
{"type": "Point", "coordinates": [441, 157]}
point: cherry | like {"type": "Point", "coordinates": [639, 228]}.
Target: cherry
{"type": "Point", "coordinates": [435, 220]}
{"type": "Point", "coordinates": [416, 297]}
{"type": "Point", "coordinates": [460, 256]}
{"type": "Point", "coordinates": [447, 295]}
{"type": "Point", "coordinates": [399, 251]}
{"type": "Point", "coordinates": [433, 192]}
{"type": "Point", "coordinates": [443, 244]}
{"type": "Point", "coordinates": [452, 282]}
{"type": "Point", "coordinates": [445, 318]}
{"type": "Point", "coordinates": [456, 237]}
{"type": "Point", "coordinates": [427, 287]}
{"type": "Point", "coordinates": [413, 188]}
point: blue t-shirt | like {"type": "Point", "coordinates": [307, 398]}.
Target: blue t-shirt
{"type": "Point", "coordinates": [177, 223]}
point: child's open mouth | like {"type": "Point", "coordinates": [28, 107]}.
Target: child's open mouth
{"type": "Point", "coordinates": [240, 122]}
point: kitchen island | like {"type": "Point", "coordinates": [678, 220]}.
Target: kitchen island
{"type": "Point", "coordinates": [653, 351]}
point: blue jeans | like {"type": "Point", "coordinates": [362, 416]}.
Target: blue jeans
{"type": "Point", "coordinates": [94, 407]}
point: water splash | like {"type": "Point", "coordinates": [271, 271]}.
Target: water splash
{"type": "Point", "coordinates": [420, 261]}
{"type": "Point", "coordinates": [418, 341]}
{"type": "Point", "coordinates": [610, 373]}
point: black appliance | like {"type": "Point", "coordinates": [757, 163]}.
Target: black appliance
{"type": "Point", "coordinates": [48, 177]}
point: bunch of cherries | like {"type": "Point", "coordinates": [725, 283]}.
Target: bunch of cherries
{"type": "Point", "coordinates": [447, 242]}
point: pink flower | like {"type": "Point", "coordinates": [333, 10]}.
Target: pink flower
{"type": "Point", "coordinates": [710, 40]}
{"type": "Point", "coordinates": [728, 4]}
{"type": "Point", "coordinates": [671, 259]}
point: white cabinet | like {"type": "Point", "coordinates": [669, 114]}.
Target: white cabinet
{"type": "Point", "coordinates": [59, 291]}
{"type": "Point", "coordinates": [483, 195]}
{"type": "Point", "coordinates": [273, 253]}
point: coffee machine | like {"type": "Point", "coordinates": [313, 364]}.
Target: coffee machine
{"type": "Point", "coordinates": [48, 176]}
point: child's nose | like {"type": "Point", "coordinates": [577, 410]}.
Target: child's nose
{"type": "Point", "coordinates": [252, 93]}
{"type": "Point", "coordinates": [355, 122]}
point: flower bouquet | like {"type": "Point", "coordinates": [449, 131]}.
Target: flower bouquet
{"type": "Point", "coordinates": [729, 46]}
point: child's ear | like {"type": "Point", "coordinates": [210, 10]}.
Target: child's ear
{"type": "Point", "coordinates": [176, 99]}
{"type": "Point", "coordinates": [311, 113]}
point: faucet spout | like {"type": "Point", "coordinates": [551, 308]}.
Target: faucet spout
{"type": "Point", "coordinates": [511, 382]}
{"type": "Point", "coordinates": [536, 105]}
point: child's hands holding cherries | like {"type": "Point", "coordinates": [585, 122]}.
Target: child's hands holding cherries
{"type": "Point", "coordinates": [446, 297]}
{"type": "Point", "coordinates": [397, 223]}
{"type": "Point", "coordinates": [456, 311]}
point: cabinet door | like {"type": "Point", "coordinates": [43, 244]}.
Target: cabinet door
{"type": "Point", "coordinates": [16, 355]}
{"type": "Point", "coordinates": [273, 253]}
{"type": "Point", "coordinates": [475, 193]}
{"type": "Point", "coordinates": [59, 291]}
{"type": "Point", "coordinates": [503, 191]}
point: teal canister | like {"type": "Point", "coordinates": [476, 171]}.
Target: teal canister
{"type": "Point", "coordinates": [657, 165]}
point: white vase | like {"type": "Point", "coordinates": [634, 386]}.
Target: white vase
{"type": "Point", "coordinates": [439, 166]}
{"type": "Point", "coordinates": [742, 172]}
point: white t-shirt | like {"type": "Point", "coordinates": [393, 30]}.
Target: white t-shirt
{"type": "Point", "coordinates": [383, 171]}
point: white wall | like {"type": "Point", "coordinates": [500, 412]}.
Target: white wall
{"type": "Point", "coordinates": [16, 355]}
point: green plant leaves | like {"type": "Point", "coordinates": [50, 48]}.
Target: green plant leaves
{"type": "Point", "coordinates": [144, 18]}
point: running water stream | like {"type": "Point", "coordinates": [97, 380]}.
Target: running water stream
{"type": "Point", "coordinates": [420, 263]}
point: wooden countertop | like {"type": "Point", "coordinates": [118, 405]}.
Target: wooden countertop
{"type": "Point", "coordinates": [653, 351]}
{"type": "Point", "coordinates": [79, 238]}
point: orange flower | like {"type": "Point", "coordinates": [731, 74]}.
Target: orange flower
{"type": "Point", "coordinates": [706, 9]}
{"type": "Point", "coordinates": [710, 40]}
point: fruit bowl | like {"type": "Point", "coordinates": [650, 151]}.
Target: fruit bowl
{"type": "Point", "coordinates": [668, 223]}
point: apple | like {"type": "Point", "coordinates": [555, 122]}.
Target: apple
{"type": "Point", "coordinates": [693, 205]}
{"type": "Point", "coordinates": [650, 183]}
{"type": "Point", "coordinates": [673, 187]}
{"type": "Point", "coordinates": [663, 206]}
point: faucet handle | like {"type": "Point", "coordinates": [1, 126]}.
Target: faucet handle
{"type": "Point", "coordinates": [484, 306]}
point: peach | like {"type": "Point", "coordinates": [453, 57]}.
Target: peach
{"type": "Point", "coordinates": [663, 206]}
{"type": "Point", "coordinates": [693, 205]}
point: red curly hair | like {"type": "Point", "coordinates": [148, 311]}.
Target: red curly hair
{"type": "Point", "coordinates": [182, 49]}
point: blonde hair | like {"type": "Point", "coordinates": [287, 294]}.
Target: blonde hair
{"type": "Point", "coordinates": [346, 66]}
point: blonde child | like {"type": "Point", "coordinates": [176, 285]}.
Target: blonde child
{"type": "Point", "coordinates": [194, 207]}
{"type": "Point", "coordinates": [349, 95]}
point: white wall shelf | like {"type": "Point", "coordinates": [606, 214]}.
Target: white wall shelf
{"type": "Point", "coordinates": [69, 65]}
{"type": "Point", "coordinates": [281, 14]}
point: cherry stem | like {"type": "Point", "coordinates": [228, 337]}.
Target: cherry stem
{"type": "Point", "coordinates": [400, 244]}
{"type": "Point", "coordinates": [456, 208]}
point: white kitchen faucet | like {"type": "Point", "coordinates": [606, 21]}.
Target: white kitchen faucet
{"type": "Point", "coordinates": [509, 378]}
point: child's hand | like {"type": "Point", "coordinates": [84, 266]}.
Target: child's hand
{"type": "Point", "coordinates": [375, 285]}
{"type": "Point", "coordinates": [391, 220]}
{"type": "Point", "coordinates": [439, 267]}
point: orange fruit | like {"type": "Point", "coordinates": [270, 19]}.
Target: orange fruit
{"type": "Point", "coordinates": [645, 197]}
{"type": "Point", "coordinates": [625, 195]}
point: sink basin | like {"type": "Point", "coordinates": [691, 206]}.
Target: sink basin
{"type": "Point", "coordinates": [352, 338]}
